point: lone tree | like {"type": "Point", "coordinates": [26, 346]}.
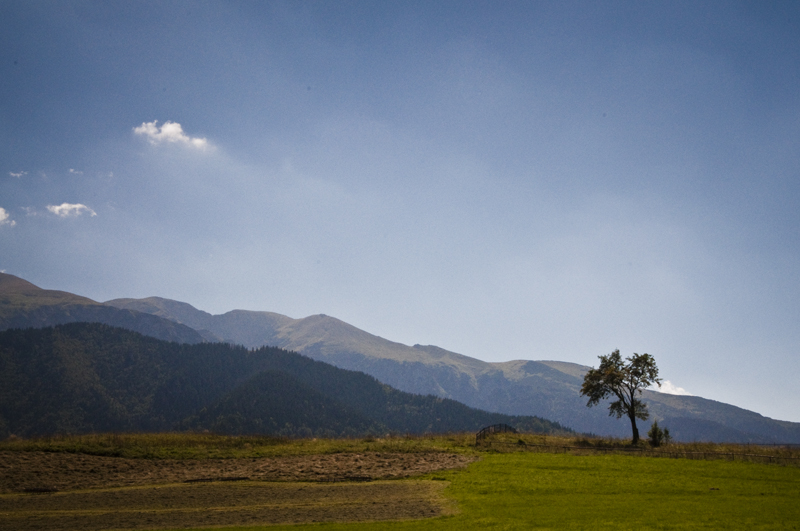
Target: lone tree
{"type": "Point", "coordinates": [625, 381]}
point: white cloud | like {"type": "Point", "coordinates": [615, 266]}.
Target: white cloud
{"type": "Point", "coordinates": [66, 210]}
{"type": "Point", "coordinates": [672, 389]}
{"type": "Point", "coordinates": [76, 172]}
{"type": "Point", "coordinates": [5, 218]}
{"type": "Point", "coordinates": [169, 132]}
{"type": "Point", "coordinates": [18, 174]}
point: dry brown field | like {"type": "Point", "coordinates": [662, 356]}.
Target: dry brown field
{"type": "Point", "coordinates": [66, 491]}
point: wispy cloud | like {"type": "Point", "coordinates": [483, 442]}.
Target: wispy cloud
{"type": "Point", "coordinates": [18, 174]}
{"type": "Point", "coordinates": [5, 218]}
{"type": "Point", "coordinates": [66, 210]}
{"type": "Point", "coordinates": [672, 389]}
{"type": "Point", "coordinates": [169, 132]}
{"type": "Point", "coordinates": [75, 172]}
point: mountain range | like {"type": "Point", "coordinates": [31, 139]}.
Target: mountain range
{"type": "Point", "coordinates": [545, 389]}
{"type": "Point", "coordinates": [24, 305]}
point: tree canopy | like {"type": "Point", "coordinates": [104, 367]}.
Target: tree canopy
{"type": "Point", "coordinates": [625, 381]}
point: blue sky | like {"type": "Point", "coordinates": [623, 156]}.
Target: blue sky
{"type": "Point", "coordinates": [507, 180]}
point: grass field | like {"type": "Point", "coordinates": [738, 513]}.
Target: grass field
{"type": "Point", "coordinates": [547, 491]}
{"type": "Point", "coordinates": [507, 489]}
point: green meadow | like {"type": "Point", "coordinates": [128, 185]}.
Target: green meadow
{"type": "Point", "coordinates": [521, 481]}
{"type": "Point", "coordinates": [562, 491]}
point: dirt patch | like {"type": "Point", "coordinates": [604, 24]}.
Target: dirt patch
{"type": "Point", "coordinates": [218, 504]}
{"type": "Point", "coordinates": [61, 491]}
{"type": "Point", "coordinates": [63, 471]}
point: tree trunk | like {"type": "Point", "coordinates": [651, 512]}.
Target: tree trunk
{"type": "Point", "coordinates": [634, 429]}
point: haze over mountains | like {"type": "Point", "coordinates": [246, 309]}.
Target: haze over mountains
{"type": "Point", "coordinates": [546, 389]}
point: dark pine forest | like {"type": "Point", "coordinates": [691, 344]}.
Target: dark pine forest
{"type": "Point", "coordinates": [88, 377]}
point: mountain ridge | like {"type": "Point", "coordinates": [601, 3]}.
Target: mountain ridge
{"type": "Point", "coordinates": [546, 388]}
{"type": "Point", "coordinates": [23, 304]}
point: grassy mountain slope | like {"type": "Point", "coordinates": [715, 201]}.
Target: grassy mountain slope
{"type": "Point", "coordinates": [24, 305]}
{"type": "Point", "coordinates": [548, 389]}
{"type": "Point", "coordinates": [19, 294]}
{"type": "Point", "coordinates": [84, 377]}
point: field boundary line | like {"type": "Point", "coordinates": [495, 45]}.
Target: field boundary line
{"type": "Point", "coordinates": [705, 456]}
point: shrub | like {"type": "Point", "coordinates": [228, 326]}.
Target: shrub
{"type": "Point", "coordinates": [658, 436]}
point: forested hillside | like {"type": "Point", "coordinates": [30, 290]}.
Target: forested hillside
{"type": "Point", "coordinates": [88, 377]}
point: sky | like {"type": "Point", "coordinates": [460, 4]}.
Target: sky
{"type": "Point", "coordinates": [506, 180]}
